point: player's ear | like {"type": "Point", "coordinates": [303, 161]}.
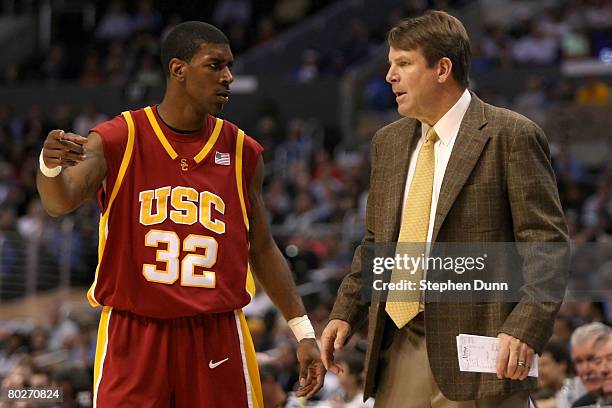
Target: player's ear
{"type": "Point", "coordinates": [176, 68]}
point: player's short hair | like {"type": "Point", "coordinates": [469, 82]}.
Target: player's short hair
{"type": "Point", "coordinates": [437, 34]}
{"type": "Point", "coordinates": [185, 40]}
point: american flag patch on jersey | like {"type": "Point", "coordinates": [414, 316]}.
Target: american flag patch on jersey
{"type": "Point", "coordinates": [222, 158]}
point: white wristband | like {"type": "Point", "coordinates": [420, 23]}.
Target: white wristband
{"type": "Point", "coordinates": [48, 172]}
{"type": "Point", "coordinates": [301, 328]}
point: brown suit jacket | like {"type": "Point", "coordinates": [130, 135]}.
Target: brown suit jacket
{"type": "Point", "coordinates": [498, 187]}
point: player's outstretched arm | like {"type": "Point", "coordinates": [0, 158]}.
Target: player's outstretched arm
{"type": "Point", "coordinates": [272, 272]}
{"type": "Point", "coordinates": [83, 170]}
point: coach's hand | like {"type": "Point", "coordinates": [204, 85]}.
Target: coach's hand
{"type": "Point", "coordinates": [63, 149]}
{"type": "Point", "coordinates": [514, 358]}
{"type": "Point", "coordinates": [334, 337]}
{"type": "Point", "coordinates": [312, 372]}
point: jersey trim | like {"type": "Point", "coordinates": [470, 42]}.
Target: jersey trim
{"type": "Point", "coordinates": [249, 362]}
{"type": "Point", "coordinates": [101, 348]}
{"type": "Point", "coordinates": [239, 144]}
{"type": "Point", "coordinates": [211, 141]}
{"type": "Point", "coordinates": [160, 135]}
{"type": "Point", "coordinates": [250, 282]}
{"type": "Point", "coordinates": [168, 147]}
{"type": "Point", "coordinates": [103, 227]}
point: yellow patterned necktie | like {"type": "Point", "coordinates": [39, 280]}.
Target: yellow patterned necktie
{"type": "Point", "coordinates": [415, 224]}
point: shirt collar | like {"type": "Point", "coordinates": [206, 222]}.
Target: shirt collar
{"type": "Point", "coordinates": [448, 125]}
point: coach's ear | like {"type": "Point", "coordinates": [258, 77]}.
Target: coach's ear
{"type": "Point", "coordinates": [176, 67]}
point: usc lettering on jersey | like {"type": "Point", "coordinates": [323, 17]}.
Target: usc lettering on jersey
{"type": "Point", "coordinates": [174, 222]}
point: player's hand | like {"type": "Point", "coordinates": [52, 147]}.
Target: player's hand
{"type": "Point", "coordinates": [511, 352]}
{"type": "Point", "coordinates": [63, 149]}
{"type": "Point", "coordinates": [333, 339]}
{"type": "Point", "coordinates": [312, 372]}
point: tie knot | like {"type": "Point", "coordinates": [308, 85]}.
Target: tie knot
{"type": "Point", "coordinates": [431, 136]}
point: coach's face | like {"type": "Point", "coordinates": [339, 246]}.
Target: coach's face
{"type": "Point", "coordinates": [414, 83]}
{"type": "Point", "coordinates": [208, 77]}
{"type": "Point", "coordinates": [583, 355]}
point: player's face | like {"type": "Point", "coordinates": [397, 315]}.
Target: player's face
{"type": "Point", "coordinates": [208, 77]}
{"type": "Point", "coordinates": [413, 82]}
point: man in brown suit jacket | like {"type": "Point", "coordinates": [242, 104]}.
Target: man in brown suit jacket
{"type": "Point", "coordinates": [493, 182]}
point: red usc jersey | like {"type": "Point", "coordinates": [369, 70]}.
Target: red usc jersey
{"type": "Point", "coordinates": [174, 222]}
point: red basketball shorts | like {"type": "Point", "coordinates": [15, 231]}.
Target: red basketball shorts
{"type": "Point", "coordinates": [199, 361]}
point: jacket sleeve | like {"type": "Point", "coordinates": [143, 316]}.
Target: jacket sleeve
{"type": "Point", "coordinates": [350, 305]}
{"type": "Point", "coordinates": [542, 237]}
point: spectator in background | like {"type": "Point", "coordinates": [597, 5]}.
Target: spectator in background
{"type": "Point", "coordinates": [583, 355]}
{"type": "Point", "coordinates": [535, 48]}
{"type": "Point", "coordinates": [562, 330]}
{"type": "Point", "coordinates": [593, 91]}
{"type": "Point", "coordinates": [266, 30]}
{"type": "Point", "coordinates": [287, 12]}
{"type": "Point", "coordinates": [87, 119]}
{"type": "Point", "coordinates": [54, 66]}
{"type": "Point", "coordinates": [13, 352]}
{"type": "Point", "coordinates": [309, 67]}
{"type": "Point", "coordinates": [532, 101]}
{"type": "Point", "coordinates": [351, 381]}
{"type": "Point", "coordinates": [63, 329]}
{"type": "Point", "coordinates": [116, 24]}
{"type": "Point", "coordinates": [378, 93]}
{"type": "Point", "coordinates": [356, 45]}
{"type": "Point", "coordinates": [274, 395]}
{"type": "Point", "coordinates": [603, 364]}
{"type": "Point", "coordinates": [115, 67]}
{"type": "Point", "coordinates": [556, 388]}
{"type": "Point", "coordinates": [237, 35]}
{"type": "Point", "coordinates": [147, 19]}
{"type": "Point", "coordinates": [32, 225]}
{"type": "Point", "coordinates": [597, 212]}
{"type": "Point", "coordinates": [229, 12]}
{"type": "Point", "coordinates": [148, 75]}
{"type": "Point", "coordinates": [92, 73]}
{"type": "Point", "coordinates": [567, 168]}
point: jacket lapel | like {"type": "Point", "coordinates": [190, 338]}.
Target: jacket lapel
{"type": "Point", "coordinates": [469, 144]}
{"type": "Point", "coordinates": [404, 143]}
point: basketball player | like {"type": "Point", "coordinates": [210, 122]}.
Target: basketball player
{"type": "Point", "coordinates": [182, 218]}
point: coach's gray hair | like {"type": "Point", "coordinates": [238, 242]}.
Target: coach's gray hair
{"type": "Point", "coordinates": [589, 332]}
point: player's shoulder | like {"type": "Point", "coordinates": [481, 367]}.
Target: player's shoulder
{"type": "Point", "coordinates": [230, 127]}
{"type": "Point", "coordinates": [112, 128]}
{"type": "Point", "coordinates": [232, 130]}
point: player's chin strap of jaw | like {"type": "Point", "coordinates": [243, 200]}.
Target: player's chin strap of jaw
{"type": "Point", "coordinates": [48, 172]}
{"type": "Point", "coordinates": [301, 328]}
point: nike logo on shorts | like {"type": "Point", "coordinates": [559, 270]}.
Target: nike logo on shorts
{"type": "Point", "coordinates": [212, 365]}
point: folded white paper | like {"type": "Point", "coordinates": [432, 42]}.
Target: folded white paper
{"type": "Point", "coordinates": [478, 354]}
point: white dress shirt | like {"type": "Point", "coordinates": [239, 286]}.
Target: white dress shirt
{"type": "Point", "coordinates": [446, 128]}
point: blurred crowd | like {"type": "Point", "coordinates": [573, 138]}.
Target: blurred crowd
{"type": "Point", "coordinates": [124, 42]}
{"type": "Point", "coordinates": [542, 33]}
{"type": "Point", "coordinates": [315, 191]}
